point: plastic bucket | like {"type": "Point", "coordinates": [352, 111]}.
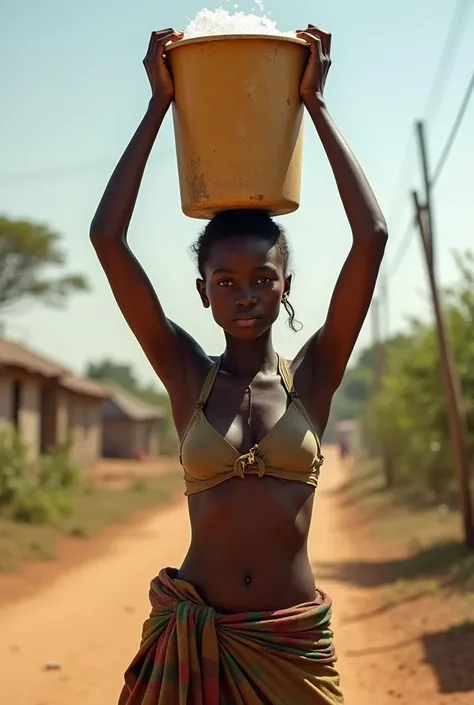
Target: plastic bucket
{"type": "Point", "coordinates": [238, 122]}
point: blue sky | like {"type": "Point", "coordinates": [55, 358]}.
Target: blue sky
{"type": "Point", "coordinates": [74, 90]}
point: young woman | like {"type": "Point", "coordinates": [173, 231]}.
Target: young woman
{"type": "Point", "coordinates": [241, 621]}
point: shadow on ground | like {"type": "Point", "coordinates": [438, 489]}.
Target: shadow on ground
{"type": "Point", "coordinates": [440, 559]}
{"type": "Point", "coordinates": [451, 656]}
{"type": "Point", "coordinates": [367, 480]}
{"type": "Point", "coordinates": [384, 608]}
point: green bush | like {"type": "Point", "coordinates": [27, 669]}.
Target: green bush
{"type": "Point", "coordinates": [57, 471]}
{"type": "Point", "coordinates": [139, 486]}
{"type": "Point", "coordinates": [13, 467]}
{"type": "Point", "coordinates": [41, 506]}
{"type": "Point", "coordinates": [35, 494]}
{"type": "Point", "coordinates": [408, 415]}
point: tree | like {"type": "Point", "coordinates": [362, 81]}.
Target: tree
{"type": "Point", "coordinates": [29, 252]}
{"type": "Point", "coordinates": [109, 371]}
{"type": "Point", "coordinates": [409, 413]}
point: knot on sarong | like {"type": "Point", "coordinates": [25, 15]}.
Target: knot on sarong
{"type": "Point", "coordinates": [192, 654]}
{"type": "Point", "coordinates": [248, 460]}
{"type": "Point", "coordinates": [196, 612]}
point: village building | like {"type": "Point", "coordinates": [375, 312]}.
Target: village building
{"type": "Point", "coordinates": [49, 406]}
{"type": "Point", "coordinates": [131, 428]}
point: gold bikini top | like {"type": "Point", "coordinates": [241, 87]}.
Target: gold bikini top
{"type": "Point", "coordinates": [291, 450]}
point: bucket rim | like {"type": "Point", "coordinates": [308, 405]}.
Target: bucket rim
{"type": "Point", "coordinates": [224, 37]}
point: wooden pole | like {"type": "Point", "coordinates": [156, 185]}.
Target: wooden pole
{"type": "Point", "coordinates": [386, 307]}
{"type": "Point", "coordinates": [376, 344]}
{"type": "Point", "coordinates": [379, 364]}
{"type": "Point", "coordinates": [452, 388]}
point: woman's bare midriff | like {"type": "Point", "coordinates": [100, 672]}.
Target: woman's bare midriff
{"type": "Point", "coordinates": [248, 548]}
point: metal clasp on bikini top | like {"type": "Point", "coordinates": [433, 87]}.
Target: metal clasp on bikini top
{"type": "Point", "coordinates": [247, 460]}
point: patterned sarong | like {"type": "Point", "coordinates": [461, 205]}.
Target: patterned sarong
{"type": "Point", "coordinates": [192, 655]}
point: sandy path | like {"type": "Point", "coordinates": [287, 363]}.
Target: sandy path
{"type": "Point", "coordinates": [89, 619]}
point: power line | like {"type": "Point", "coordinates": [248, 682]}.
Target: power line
{"type": "Point", "coordinates": [71, 169]}
{"type": "Point", "coordinates": [454, 131]}
{"type": "Point", "coordinates": [446, 59]}
{"type": "Point", "coordinates": [394, 209]}
{"type": "Point", "coordinates": [401, 251]}
{"type": "Point", "coordinates": [55, 171]}
{"type": "Point", "coordinates": [403, 247]}
{"type": "Point", "coordinates": [438, 86]}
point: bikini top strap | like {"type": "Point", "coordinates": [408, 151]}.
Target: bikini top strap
{"type": "Point", "coordinates": [203, 397]}
{"type": "Point", "coordinates": [286, 376]}
{"type": "Point", "coordinates": [287, 379]}
{"type": "Point", "coordinates": [208, 384]}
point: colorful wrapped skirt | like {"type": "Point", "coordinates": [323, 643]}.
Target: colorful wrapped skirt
{"type": "Point", "coordinates": [192, 655]}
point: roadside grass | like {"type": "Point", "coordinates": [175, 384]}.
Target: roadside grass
{"type": "Point", "coordinates": [94, 509]}
{"type": "Point", "coordinates": [426, 538]}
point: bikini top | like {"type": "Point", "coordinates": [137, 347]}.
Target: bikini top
{"type": "Point", "coordinates": [291, 450]}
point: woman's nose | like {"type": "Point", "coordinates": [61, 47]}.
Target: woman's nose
{"type": "Point", "coordinates": [246, 298]}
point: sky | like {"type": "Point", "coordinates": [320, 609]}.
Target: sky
{"type": "Point", "coordinates": [74, 91]}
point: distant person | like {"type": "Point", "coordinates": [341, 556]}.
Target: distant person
{"type": "Point", "coordinates": [241, 621]}
{"type": "Point", "coordinates": [343, 448]}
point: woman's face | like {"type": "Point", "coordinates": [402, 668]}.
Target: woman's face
{"type": "Point", "coordinates": [244, 285]}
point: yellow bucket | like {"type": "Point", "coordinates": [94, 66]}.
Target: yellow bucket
{"type": "Point", "coordinates": [238, 122]}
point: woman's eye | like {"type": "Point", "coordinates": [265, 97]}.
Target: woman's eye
{"type": "Point", "coordinates": [263, 280]}
{"type": "Point", "coordinates": [225, 282]}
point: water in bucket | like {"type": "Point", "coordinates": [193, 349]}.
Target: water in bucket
{"type": "Point", "coordinates": [222, 21]}
{"type": "Point", "coordinates": [237, 114]}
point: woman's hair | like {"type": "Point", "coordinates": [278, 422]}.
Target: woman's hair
{"type": "Point", "coordinates": [257, 223]}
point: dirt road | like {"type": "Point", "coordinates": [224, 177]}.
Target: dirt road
{"type": "Point", "coordinates": [87, 622]}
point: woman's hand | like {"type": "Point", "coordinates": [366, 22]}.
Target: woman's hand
{"type": "Point", "coordinates": [319, 62]}
{"type": "Point", "coordinates": [155, 64]}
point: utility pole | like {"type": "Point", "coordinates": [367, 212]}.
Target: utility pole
{"type": "Point", "coordinates": [386, 306]}
{"type": "Point", "coordinates": [378, 348]}
{"type": "Point", "coordinates": [452, 388]}
{"type": "Point", "coordinates": [376, 345]}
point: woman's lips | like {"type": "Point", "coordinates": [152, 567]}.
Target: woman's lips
{"type": "Point", "coordinates": [247, 322]}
